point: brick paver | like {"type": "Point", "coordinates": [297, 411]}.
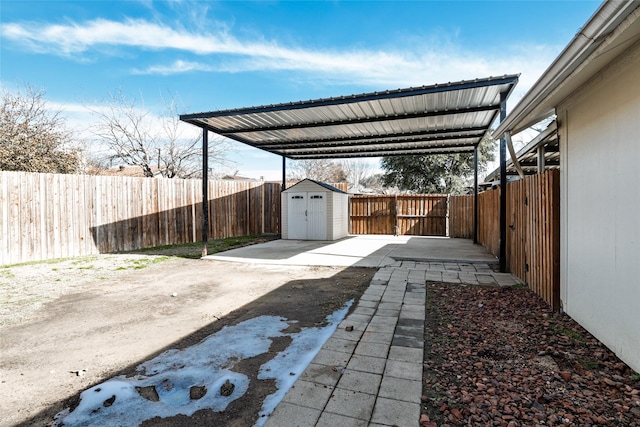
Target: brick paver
{"type": "Point", "coordinates": [372, 375]}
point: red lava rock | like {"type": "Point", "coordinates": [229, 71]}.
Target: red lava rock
{"type": "Point", "coordinates": [514, 362]}
{"type": "Point", "coordinates": [565, 376]}
{"type": "Point", "coordinates": [429, 424]}
{"type": "Point", "coordinates": [424, 418]}
{"type": "Point", "coordinates": [456, 413]}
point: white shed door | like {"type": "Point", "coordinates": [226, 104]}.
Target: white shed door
{"type": "Point", "coordinates": [317, 216]}
{"type": "Point", "coordinates": [297, 212]}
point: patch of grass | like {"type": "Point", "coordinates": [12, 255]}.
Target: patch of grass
{"type": "Point", "coordinates": [84, 259]}
{"type": "Point", "coordinates": [139, 264]}
{"type": "Point", "coordinates": [44, 261]}
{"type": "Point", "coordinates": [519, 286]}
{"type": "Point", "coordinates": [558, 329]}
{"type": "Point", "coordinates": [591, 364]}
{"type": "Point", "coordinates": [194, 250]}
{"type": "Point", "coordinates": [6, 274]}
{"type": "Point", "coordinates": [635, 377]}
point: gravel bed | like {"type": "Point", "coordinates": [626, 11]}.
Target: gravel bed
{"type": "Point", "coordinates": [501, 357]}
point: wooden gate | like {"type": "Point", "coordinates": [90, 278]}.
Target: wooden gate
{"type": "Point", "coordinates": [416, 215]}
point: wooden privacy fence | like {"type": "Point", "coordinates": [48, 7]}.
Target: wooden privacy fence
{"type": "Point", "coordinates": [44, 216]}
{"type": "Point", "coordinates": [418, 215]}
{"type": "Point", "coordinates": [533, 233]}
{"type": "Point", "coordinates": [533, 230]}
{"type": "Point", "coordinates": [461, 216]}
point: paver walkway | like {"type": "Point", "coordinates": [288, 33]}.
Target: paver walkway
{"type": "Point", "coordinates": [369, 373]}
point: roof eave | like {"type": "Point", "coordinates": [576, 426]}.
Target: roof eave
{"type": "Point", "coordinates": [557, 82]}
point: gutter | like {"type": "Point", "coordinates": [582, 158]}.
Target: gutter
{"type": "Point", "coordinates": [593, 34]}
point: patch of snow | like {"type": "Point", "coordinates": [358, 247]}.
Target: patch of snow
{"type": "Point", "coordinates": [208, 364]}
{"type": "Point", "coordinates": [289, 364]}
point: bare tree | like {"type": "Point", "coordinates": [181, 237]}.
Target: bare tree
{"type": "Point", "coordinates": [357, 171]}
{"type": "Point", "coordinates": [163, 145]}
{"type": "Point", "coordinates": [34, 138]}
{"type": "Point", "coordinates": [319, 169]}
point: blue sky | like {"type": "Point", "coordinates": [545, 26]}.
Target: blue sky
{"type": "Point", "coordinates": [229, 54]}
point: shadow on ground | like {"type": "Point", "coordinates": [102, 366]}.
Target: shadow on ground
{"type": "Point", "coordinates": [307, 302]}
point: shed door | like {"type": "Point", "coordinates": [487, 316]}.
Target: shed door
{"type": "Point", "coordinates": [297, 212]}
{"type": "Point", "coordinates": [317, 216]}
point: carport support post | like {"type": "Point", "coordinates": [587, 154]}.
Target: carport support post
{"type": "Point", "coordinates": [205, 190]}
{"type": "Point", "coordinates": [503, 189]}
{"type": "Point", "coordinates": [475, 194]}
{"type": "Point", "coordinates": [284, 173]}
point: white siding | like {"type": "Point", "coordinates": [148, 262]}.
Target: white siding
{"type": "Point", "coordinates": [336, 209]}
{"type": "Point", "coordinates": [330, 207]}
{"type": "Point", "coordinates": [340, 219]}
{"type": "Point", "coordinates": [284, 209]}
{"type": "Point", "coordinates": [600, 258]}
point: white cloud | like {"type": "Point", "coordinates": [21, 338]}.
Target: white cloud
{"type": "Point", "coordinates": [409, 65]}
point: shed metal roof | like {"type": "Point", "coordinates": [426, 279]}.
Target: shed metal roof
{"type": "Point", "coordinates": [438, 119]}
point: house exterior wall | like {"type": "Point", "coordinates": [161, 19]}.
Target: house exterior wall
{"type": "Point", "coordinates": [600, 206]}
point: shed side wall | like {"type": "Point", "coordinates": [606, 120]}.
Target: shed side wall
{"type": "Point", "coordinates": [600, 258]}
{"type": "Point", "coordinates": [339, 222]}
{"type": "Point", "coordinates": [284, 209]}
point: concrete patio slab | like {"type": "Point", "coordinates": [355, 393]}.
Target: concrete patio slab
{"type": "Point", "coordinates": [360, 251]}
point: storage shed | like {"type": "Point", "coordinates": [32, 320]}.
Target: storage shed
{"type": "Point", "coordinates": [314, 210]}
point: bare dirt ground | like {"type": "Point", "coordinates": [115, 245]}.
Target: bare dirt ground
{"type": "Point", "coordinates": [66, 326]}
{"type": "Point", "coordinates": [501, 357]}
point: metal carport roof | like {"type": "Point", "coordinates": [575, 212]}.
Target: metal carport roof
{"type": "Point", "coordinates": [438, 119]}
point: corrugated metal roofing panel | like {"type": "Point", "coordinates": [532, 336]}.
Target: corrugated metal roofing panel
{"type": "Point", "coordinates": [367, 121]}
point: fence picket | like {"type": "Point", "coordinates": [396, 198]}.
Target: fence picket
{"type": "Point", "coordinates": [47, 216]}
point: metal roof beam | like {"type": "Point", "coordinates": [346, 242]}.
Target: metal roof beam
{"type": "Point", "coordinates": [468, 140]}
{"type": "Point", "coordinates": [460, 132]}
{"type": "Point", "coordinates": [357, 120]}
{"type": "Point", "coordinates": [376, 147]}
{"type": "Point", "coordinates": [353, 154]}
{"type": "Point", "coordinates": [398, 93]}
{"type": "Point", "coordinates": [534, 164]}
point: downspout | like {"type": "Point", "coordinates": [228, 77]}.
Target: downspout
{"type": "Point", "coordinates": [512, 153]}
{"type": "Point", "coordinates": [540, 160]}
